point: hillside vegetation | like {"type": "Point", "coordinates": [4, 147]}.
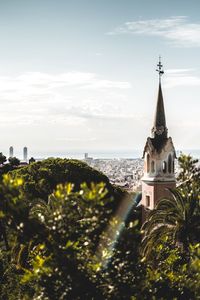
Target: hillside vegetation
{"type": "Point", "coordinates": [62, 237]}
{"type": "Point", "coordinates": [41, 178]}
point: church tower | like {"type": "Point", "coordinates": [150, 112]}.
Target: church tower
{"type": "Point", "coordinates": [159, 155]}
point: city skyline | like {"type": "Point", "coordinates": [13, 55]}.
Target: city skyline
{"type": "Point", "coordinates": [80, 76]}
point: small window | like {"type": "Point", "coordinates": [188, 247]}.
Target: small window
{"type": "Point", "coordinates": [148, 201]}
{"type": "Point", "coordinates": [164, 167]}
{"type": "Point", "coordinates": [152, 166]}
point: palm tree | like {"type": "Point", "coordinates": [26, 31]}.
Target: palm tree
{"type": "Point", "coordinates": [177, 218]}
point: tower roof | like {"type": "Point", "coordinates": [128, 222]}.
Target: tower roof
{"type": "Point", "coordinates": [159, 129]}
{"type": "Point", "coordinates": [159, 119]}
{"type": "Point", "coordinates": [159, 138]}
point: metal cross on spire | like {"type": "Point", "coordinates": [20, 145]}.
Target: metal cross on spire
{"type": "Point", "coordinates": [160, 69]}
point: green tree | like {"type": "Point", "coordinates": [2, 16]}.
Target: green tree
{"type": "Point", "coordinates": [124, 272]}
{"type": "Point", "coordinates": [189, 176]}
{"type": "Point", "coordinates": [172, 277]}
{"type": "Point", "coordinates": [14, 161]}
{"type": "Point", "coordinates": [41, 178]}
{"type": "Point", "coordinates": [2, 158]}
{"type": "Point", "coordinates": [177, 218]}
{"type": "Point", "coordinates": [63, 265]}
{"type": "Point", "coordinates": [31, 160]}
{"type": "Point", "coordinates": [52, 245]}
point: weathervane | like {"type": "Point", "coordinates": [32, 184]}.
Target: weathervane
{"type": "Point", "coordinates": [160, 69]}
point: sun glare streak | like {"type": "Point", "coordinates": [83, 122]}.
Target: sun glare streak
{"type": "Point", "coordinates": [111, 235]}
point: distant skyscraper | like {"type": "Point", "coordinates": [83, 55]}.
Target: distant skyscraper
{"type": "Point", "coordinates": [25, 153]}
{"type": "Point", "coordinates": [11, 151]}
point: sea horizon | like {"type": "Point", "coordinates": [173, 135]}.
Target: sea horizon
{"type": "Point", "coordinates": [134, 154]}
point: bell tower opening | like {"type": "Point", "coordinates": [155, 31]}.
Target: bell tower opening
{"type": "Point", "coordinates": [164, 167]}
{"type": "Point", "coordinates": [170, 163]}
{"type": "Point", "coordinates": [148, 163]}
{"type": "Point", "coordinates": [148, 202]}
{"type": "Point", "coordinates": [152, 166]}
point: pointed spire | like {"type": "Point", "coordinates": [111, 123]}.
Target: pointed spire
{"type": "Point", "coordinates": [160, 110]}
{"type": "Point", "coordinates": [159, 127]}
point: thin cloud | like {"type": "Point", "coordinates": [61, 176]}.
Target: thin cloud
{"type": "Point", "coordinates": [181, 77]}
{"type": "Point", "coordinates": [36, 83]}
{"type": "Point", "coordinates": [177, 71]}
{"type": "Point", "coordinates": [85, 112]}
{"type": "Point", "coordinates": [176, 30]}
{"type": "Point", "coordinates": [67, 98]}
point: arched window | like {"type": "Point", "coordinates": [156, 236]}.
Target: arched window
{"type": "Point", "coordinates": [148, 201]}
{"type": "Point", "coordinates": [164, 167]}
{"type": "Point", "coordinates": [148, 163]}
{"type": "Point", "coordinates": [173, 166]}
{"type": "Point", "coordinates": [152, 166]}
{"type": "Point", "coordinates": [170, 163]}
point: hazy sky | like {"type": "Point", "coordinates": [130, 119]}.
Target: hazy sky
{"type": "Point", "coordinates": [80, 75]}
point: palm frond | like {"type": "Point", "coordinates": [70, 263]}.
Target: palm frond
{"type": "Point", "coordinates": [176, 217]}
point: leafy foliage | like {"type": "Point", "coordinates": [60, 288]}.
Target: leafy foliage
{"type": "Point", "coordinates": [178, 218]}
{"type": "Point", "coordinates": [14, 161]}
{"type": "Point", "coordinates": [60, 265]}
{"type": "Point", "coordinates": [189, 176]}
{"type": "Point", "coordinates": [12, 164]}
{"type": "Point", "coordinates": [173, 277]}
{"type": "Point", "coordinates": [170, 244]}
{"type": "Point", "coordinates": [2, 158]}
{"type": "Point", "coordinates": [41, 178]}
{"type": "Point", "coordinates": [63, 240]}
